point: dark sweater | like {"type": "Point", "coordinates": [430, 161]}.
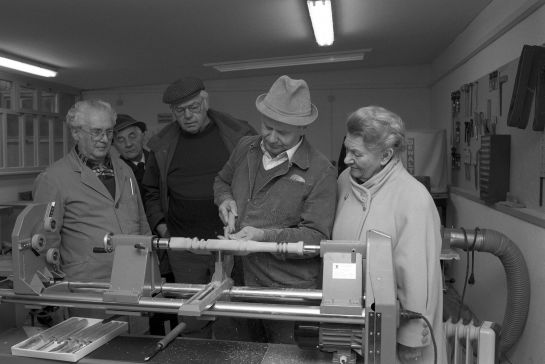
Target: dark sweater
{"type": "Point", "coordinates": [196, 161]}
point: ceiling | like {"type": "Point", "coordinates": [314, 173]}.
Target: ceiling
{"type": "Point", "coordinates": [98, 44]}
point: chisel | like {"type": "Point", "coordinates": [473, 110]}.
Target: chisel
{"type": "Point", "coordinates": [47, 334]}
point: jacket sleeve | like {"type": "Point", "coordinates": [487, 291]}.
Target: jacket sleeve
{"type": "Point", "coordinates": [46, 190]}
{"type": "Point", "coordinates": [151, 183]}
{"type": "Point", "coordinates": [317, 214]}
{"type": "Point", "coordinates": [222, 182]}
{"type": "Point", "coordinates": [416, 261]}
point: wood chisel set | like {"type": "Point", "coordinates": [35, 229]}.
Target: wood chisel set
{"type": "Point", "coordinates": [71, 339]}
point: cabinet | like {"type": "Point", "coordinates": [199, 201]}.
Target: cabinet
{"type": "Point", "coordinates": [494, 161]}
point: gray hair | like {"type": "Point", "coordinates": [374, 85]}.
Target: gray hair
{"type": "Point", "coordinates": [74, 117]}
{"type": "Point", "coordinates": [380, 129]}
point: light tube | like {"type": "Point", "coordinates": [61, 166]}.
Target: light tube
{"type": "Point", "coordinates": [25, 67]}
{"type": "Point", "coordinates": [322, 21]}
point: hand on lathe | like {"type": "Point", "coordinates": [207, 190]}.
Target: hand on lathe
{"type": "Point", "coordinates": [228, 213]}
{"type": "Point", "coordinates": [162, 230]}
{"type": "Point", "coordinates": [248, 233]}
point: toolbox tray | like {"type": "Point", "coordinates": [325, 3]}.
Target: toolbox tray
{"type": "Point", "coordinates": [46, 353]}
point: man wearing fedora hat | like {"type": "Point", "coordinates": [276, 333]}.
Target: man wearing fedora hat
{"type": "Point", "coordinates": [276, 187]}
{"type": "Point", "coordinates": [129, 142]}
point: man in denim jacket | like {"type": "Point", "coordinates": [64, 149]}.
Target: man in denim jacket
{"type": "Point", "coordinates": [276, 187]}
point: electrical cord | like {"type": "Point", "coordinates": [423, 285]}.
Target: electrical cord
{"type": "Point", "coordinates": [411, 315]}
{"type": "Point", "coordinates": [468, 278]}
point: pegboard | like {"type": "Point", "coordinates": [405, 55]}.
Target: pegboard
{"type": "Point", "coordinates": [483, 106]}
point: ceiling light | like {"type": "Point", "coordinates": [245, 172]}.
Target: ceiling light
{"type": "Point", "coordinates": [322, 21]}
{"type": "Point", "coordinates": [25, 67]}
{"type": "Point", "coordinates": [252, 64]}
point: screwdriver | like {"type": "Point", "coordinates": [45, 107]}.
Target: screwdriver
{"type": "Point", "coordinates": [161, 344]}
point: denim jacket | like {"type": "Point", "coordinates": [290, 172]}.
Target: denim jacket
{"type": "Point", "coordinates": [297, 203]}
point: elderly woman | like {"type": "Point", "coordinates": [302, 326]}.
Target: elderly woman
{"type": "Point", "coordinates": [376, 192]}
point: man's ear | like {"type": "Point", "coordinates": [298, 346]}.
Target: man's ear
{"type": "Point", "coordinates": [386, 156]}
{"type": "Point", "coordinates": [74, 133]}
{"type": "Point", "coordinates": [204, 96]}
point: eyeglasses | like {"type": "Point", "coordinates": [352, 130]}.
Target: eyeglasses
{"type": "Point", "coordinates": [98, 134]}
{"type": "Point", "coordinates": [193, 108]}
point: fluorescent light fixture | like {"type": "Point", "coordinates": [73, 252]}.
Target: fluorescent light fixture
{"type": "Point", "coordinates": [25, 67]}
{"type": "Point", "coordinates": [253, 64]}
{"type": "Point", "coordinates": [322, 21]}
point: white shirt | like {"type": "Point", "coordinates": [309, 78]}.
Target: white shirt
{"type": "Point", "coordinates": [269, 162]}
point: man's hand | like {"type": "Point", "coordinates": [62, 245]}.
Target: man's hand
{"type": "Point", "coordinates": [162, 230]}
{"type": "Point", "coordinates": [228, 214]}
{"type": "Point", "coordinates": [248, 233]}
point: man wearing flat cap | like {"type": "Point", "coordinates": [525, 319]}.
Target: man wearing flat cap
{"type": "Point", "coordinates": [185, 156]}
{"type": "Point", "coordinates": [129, 142]}
{"type": "Point", "coordinates": [276, 187]}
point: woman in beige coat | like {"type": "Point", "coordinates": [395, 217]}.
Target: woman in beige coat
{"type": "Point", "coordinates": [376, 192]}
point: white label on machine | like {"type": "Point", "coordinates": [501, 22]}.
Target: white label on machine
{"type": "Point", "coordinates": [344, 271]}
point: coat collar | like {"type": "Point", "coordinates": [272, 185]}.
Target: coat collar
{"type": "Point", "coordinates": [89, 178]}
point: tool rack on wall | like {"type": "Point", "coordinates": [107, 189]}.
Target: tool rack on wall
{"type": "Point", "coordinates": [494, 156]}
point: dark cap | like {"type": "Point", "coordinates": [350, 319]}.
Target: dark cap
{"type": "Point", "coordinates": [182, 90]}
{"type": "Point", "coordinates": [123, 121]}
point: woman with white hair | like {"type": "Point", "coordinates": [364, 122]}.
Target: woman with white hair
{"type": "Point", "coordinates": [376, 192]}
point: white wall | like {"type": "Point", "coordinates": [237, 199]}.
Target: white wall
{"type": "Point", "coordinates": [502, 29]}
{"type": "Point", "coordinates": [336, 94]}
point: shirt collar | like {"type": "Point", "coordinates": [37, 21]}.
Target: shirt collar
{"type": "Point", "coordinates": [282, 156]}
{"type": "Point", "coordinates": [100, 168]}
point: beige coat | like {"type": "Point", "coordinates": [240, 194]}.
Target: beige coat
{"type": "Point", "coordinates": [396, 204]}
{"type": "Point", "coordinates": [86, 212]}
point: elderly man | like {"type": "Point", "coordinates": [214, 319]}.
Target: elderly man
{"type": "Point", "coordinates": [94, 193]}
{"type": "Point", "coordinates": [279, 189]}
{"type": "Point", "coordinates": [129, 142]}
{"type": "Point", "coordinates": [184, 159]}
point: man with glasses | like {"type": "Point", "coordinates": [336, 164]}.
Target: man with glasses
{"type": "Point", "coordinates": [94, 193]}
{"type": "Point", "coordinates": [185, 156]}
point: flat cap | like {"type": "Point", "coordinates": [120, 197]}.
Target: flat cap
{"type": "Point", "coordinates": [182, 90]}
{"type": "Point", "coordinates": [123, 121]}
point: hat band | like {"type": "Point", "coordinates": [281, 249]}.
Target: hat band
{"type": "Point", "coordinates": [287, 113]}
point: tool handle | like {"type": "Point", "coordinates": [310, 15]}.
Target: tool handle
{"type": "Point", "coordinates": [171, 335]}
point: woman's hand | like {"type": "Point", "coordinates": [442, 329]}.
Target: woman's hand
{"type": "Point", "coordinates": [408, 355]}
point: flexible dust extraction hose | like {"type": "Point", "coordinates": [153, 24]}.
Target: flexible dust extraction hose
{"type": "Point", "coordinates": [516, 271]}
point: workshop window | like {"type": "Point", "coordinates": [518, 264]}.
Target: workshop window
{"type": "Point", "coordinates": [5, 94]}
{"type": "Point", "coordinates": [33, 133]}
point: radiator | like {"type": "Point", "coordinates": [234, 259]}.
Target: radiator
{"type": "Point", "coordinates": [469, 344]}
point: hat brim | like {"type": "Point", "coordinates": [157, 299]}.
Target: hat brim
{"type": "Point", "coordinates": [296, 120]}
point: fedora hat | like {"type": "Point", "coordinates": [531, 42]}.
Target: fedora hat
{"type": "Point", "coordinates": [288, 101]}
{"type": "Point", "coordinates": [123, 121]}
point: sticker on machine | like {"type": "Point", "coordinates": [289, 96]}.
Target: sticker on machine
{"type": "Point", "coordinates": [344, 271]}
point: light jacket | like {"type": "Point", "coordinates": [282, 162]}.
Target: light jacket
{"type": "Point", "coordinates": [395, 203]}
{"type": "Point", "coordinates": [297, 203]}
{"type": "Point", "coordinates": [163, 146]}
{"type": "Point", "coordinates": [86, 212]}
